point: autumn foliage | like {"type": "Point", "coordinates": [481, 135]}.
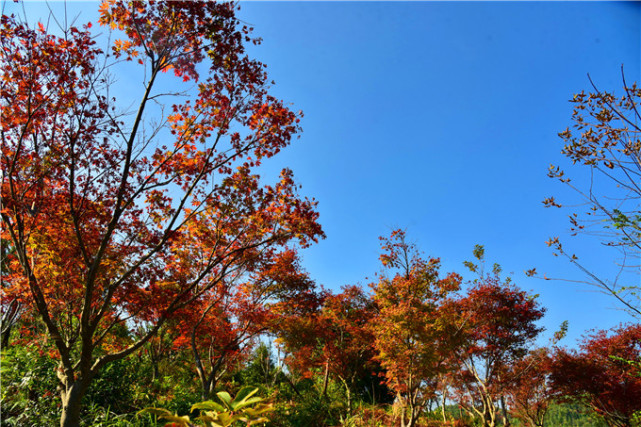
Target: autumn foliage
{"type": "Point", "coordinates": [496, 327]}
{"type": "Point", "coordinates": [148, 232]}
{"type": "Point", "coordinates": [115, 218]}
{"type": "Point", "coordinates": [604, 374]}
{"type": "Point", "coordinates": [411, 335]}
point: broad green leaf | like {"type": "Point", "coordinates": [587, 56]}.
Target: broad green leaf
{"type": "Point", "coordinates": [259, 409]}
{"type": "Point", "coordinates": [240, 405]}
{"type": "Point", "coordinates": [208, 405]}
{"type": "Point", "coordinates": [174, 418]}
{"type": "Point", "coordinates": [225, 398]}
{"type": "Point", "coordinates": [245, 393]}
{"type": "Point", "coordinates": [258, 421]}
{"type": "Point", "coordinates": [226, 419]}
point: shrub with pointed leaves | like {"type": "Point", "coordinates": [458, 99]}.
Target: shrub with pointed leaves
{"type": "Point", "coordinates": [245, 408]}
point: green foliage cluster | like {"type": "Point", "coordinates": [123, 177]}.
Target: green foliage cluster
{"type": "Point", "coordinates": [28, 387]}
{"type": "Point", "coordinates": [571, 415]}
{"type": "Point", "coordinates": [266, 393]}
{"type": "Point", "coordinates": [243, 408]}
{"type": "Point", "coordinates": [30, 398]}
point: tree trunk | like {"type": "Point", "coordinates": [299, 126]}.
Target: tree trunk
{"type": "Point", "coordinates": [325, 379]}
{"type": "Point", "coordinates": [403, 417]}
{"type": "Point", "coordinates": [206, 389]}
{"type": "Point", "coordinates": [9, 319]}
{"type": "Point", "coordinates": [489, 415]}
{"type": "Point", "coordinates": [205, 382]}
{"type": "Point", "coordinates": [506, 419]}
{"type": "Point", "coordinates": [71, 403]}
{"type": "Point", "coordinates": [414, 411]}
{"type": "Point", "coordinates": [412, 420]}
{"type": "Point", "coordinates": [155, 373]}
{"type": "Point", "coordinates": [348, 394]}
{"type": "Point", "coordinates": [398, 408]}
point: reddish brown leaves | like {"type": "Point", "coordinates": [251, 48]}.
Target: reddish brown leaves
{"type": "Point", "coordinates": [111, 226]}
{"type": "Point", "coordinates": [604, 374]}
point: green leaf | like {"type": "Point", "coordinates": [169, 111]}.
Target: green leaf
{"type": "Point", "coordinates": [155, 411]}
{"type": "Point", "coordinates": [258, 421]}
{"type": "Point", "coordinates": [245, 393]}
{"type": "Point", "coordinates": [225, 398]}
{"type": "Point", "coordinates": [175, 418]}
{"type": "Point", "coordinates": [226, 419]}
{"type": "Point", "coordinates": [259, 409]}
{"type": "Point", "coordinates": [479, 252]}
{"type": "Point", "coordinates": [242, 404]}
{"type": "Point", "coordinates": [210, 420]}
{"type": "Point", "coordinates": [208, 405]}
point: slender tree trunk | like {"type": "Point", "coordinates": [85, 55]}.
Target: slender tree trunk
{"type": "Point", "coordinates": [348, 394]}
{"type": "Point", "coordinates": [412, 419]}
{"type": "Point", "coordinates": [489, 415]}
{"type": "Point", "coordinates": [414, 410]}
{"type": "Point", "coordinates": [402, 410]}
{"type": "Point", "coordinates": [398, 408]}
{"type": "Point", "coordinates": [155, 373]}
{"type": "Point", "coordinates": [5, 338]}
{"type": "Point", "coordinates": [506, 419]}
{"type": "Point", "coordinates": [325, 379]}
{"type": "Point", "coordinates": [443, 407]}
{"type": "Point", "coordinates": [9, 318]}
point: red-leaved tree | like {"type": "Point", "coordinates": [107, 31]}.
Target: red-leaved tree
{"type": "Point", "coordinates": [529, 393]}
{"type": "Point", "coordinates": [220, 328]}
{"type": "Point", "coordinates": [495, 329]}
{"type": "Point", "coordinates": [604, 374]}
{"type": "Point", "coordinates": [113, 217]}
{"type": "Point", "coordinates": [334, 340]}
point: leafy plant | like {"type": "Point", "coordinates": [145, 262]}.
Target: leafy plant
{"type": "Point", "coordinates": [245, 407]}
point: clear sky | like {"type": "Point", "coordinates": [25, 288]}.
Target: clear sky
{"type": "Point", "coordinates": [442, 119]}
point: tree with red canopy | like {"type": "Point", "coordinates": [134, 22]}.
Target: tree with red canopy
{"type": "Point", "coordinates": [496, 325]}
{"type": "Point", "coordinates": [604, 374]}
{"type": "Point", "coordinates": [115, 218]}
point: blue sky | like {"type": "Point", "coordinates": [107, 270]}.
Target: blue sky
{"type": "Point", "coordinates": [442, 119]}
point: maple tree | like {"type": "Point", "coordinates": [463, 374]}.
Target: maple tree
{"type": "Point", "coordinates": [495, 327]}
{"type": "Point", "coordinates": [411, 335]}
{"type": "Point", "coordinates": [116, 218]}
{"type": "Point", "coordinates": [348, 348]}
{"type": "Point", "coordinates": [529, 394]}
{"type": "Point", "coordinates": [600, 374]}
{"type": "Point", "coordinates": [605, 139]}
{"type": "Point", "coordinates": [336, 339]}
{"type": "Point", "coordinates": [220, 328]}
{"type": "Point", "coordinates": [332, 336]}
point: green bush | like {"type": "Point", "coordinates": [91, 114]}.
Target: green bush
{"type": "Point", "coordinates": [29, 393]}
